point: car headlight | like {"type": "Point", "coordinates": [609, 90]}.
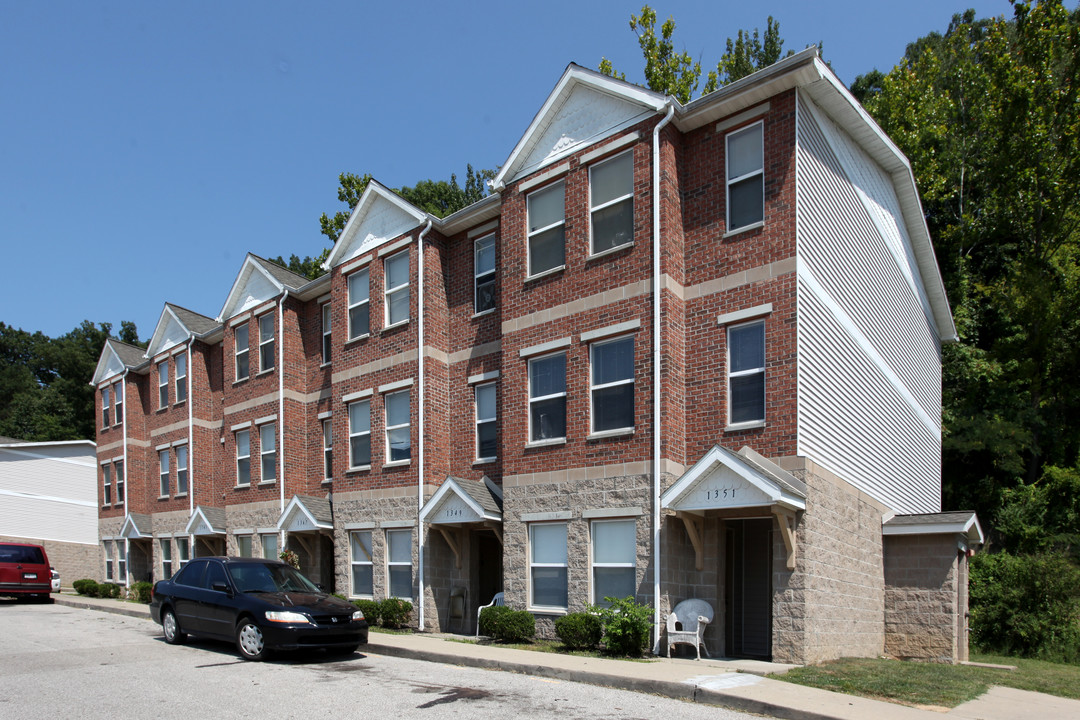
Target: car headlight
{"type": "Point", "coordinates": [358, 615]}
{"type": "Point", "coordinates": [285, 616]}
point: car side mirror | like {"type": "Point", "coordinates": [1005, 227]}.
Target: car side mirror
{"type": "Point", "coordinates": [221, 587]}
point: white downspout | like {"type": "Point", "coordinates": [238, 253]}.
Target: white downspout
{"type": "Point", "coordinates": [190, 431]}
{"type": "Point", "coordinates": [127, 504]}
{"type": "Point", "coordinates": [420, 423]}
{"type": "Point", "coordinates": [281, 401]}
{"type": "Point", "coordinates": [656, 371]}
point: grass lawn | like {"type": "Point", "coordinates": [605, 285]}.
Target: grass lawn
{"type": "Point", "coordinates": [914, 683]}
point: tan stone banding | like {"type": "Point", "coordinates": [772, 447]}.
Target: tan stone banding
{"type": "Point", "coordinates": [253, 403]}
{"type": "Point", "coordinates": [476, 351]}
{"type": "Point", "coordinates": [374, 366]}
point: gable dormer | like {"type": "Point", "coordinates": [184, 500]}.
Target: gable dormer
{"type": "Point", "coordinates": [258, 281]}
{"type": "Point", "coordinates": [116, 357]}
{"type": "Point", "coordinates": [175, 327]}
{"type": "Point", "coordinates": [380, 216]}
{"type": "Point", "coordinates": [584, 108]}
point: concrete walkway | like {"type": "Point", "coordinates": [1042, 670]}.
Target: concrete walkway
{"type": "Point", "coordinates": [737, 684]}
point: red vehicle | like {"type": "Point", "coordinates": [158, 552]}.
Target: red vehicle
{"type": "Point", "coordinates": [24, 571]}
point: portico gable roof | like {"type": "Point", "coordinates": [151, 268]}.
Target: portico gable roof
{"type": "Point", "coordinates": [306, 514]}
{"type": "Point", "coordinates": [723, 479]}
{"type": "Point", "coordinates": [206, 521]}
{"type": "Point", "coordinates": [463, 501]}
{"type": "Point", "coordinates": [137, 526]}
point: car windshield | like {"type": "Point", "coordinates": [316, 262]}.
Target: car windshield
{"type": "Point", "coordinates": [261, 577]}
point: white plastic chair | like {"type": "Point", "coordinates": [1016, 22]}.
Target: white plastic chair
{"type": "Point", "coordinates": [498, 600]}
{"type": "Point", "coordinates": [694, 616]}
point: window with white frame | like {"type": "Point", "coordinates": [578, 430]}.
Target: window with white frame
{"type": "Point", "coordinates": [399, 562]}
{"type": "Point", "coordinates": [118, 402]}
{"type": "Point", "coordinates": [746, 373]}
{"type": "Point", "coordinates": [612, 384]}
{"type": "Point", "coordinates": [163, 466]}
{"type": "Point", "coordinates": [121, 562]}
{"type": "Point", "coordinates": [547, 228]}
{"type": "Point", "coordinates": [166, 557]}
{"type": "Point", "coordinates": [745, 177]}
{"type": "Point", "coordinates": [326, 333]}
{"type": "Point", "coordinates": [105, 394]}
{"type": "Point", "coordinates": [243, 545]}
{"type": "Point", "coordinates": [118, 467]}
{"type": "Point", "coordinates": [328, 449]}
{"type": "Point", "coordinates": [181, 377]}
{"type": "Point", "coordinates": [547, 398]}
{"type": "Point", "coordinates": [360, 434]}
{"type": "Point", "coordinates": [240, 335]}
{"type": "Point", "coordinates": [269, 543]}
{"type": "Point", "coordinates": [396, 269]}
{"type": "Point", "coordinates": [614, 560]}
{"type": "Point", "coordinates": [548, 565]}
{"type": "Point", "coordinates": [611, 202]}
{"type": "Point", "coordinates": [266, 342]}
{"type": "Point", "coordinates": [243, 457]}
{"type": "Point", "coordinates": [182, 552]}
{"type": "Point", "coordinates": [163, 384]}
{"type": "Point", "coordinates": [398, 440]}
{"type": "Point", "coordinates": [484, 274]}
{"type": "Point", "coordinates": [487, 446]}
{"type": "Point", "coordinates": [268, 452]}
{"type": "Point", "coordinates": [109, 561]}
{"type": "Point", "coordinates": [359, 304]}
{"type": "Point", "coordinates": [363, 577]}
{"type": "Point", "coordinates": [106, 484]}
{"type": "Point", "coordinates": [181, 469]}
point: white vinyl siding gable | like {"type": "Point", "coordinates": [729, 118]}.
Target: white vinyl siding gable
{"type": "Point", "coordinates": [869, 388]}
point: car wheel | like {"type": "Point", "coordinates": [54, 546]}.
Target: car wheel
{"type": "Point", "coordinates": [250, 641]}
{"type": "Point", "coordinates": [171, 628]}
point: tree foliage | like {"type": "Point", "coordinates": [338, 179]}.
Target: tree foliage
{"type": "Point", "coordinates": [45, 391]}
{"type": "Point", "coordinates": [678, 74]}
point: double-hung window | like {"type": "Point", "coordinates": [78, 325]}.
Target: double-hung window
{"type": "Point", "coordinates": [163, 465]}
{"type": "Point", "coordinates": [611, 201]}
{"type": "Point", "coordinates": [328, 448]}
{"type": "Point", "coordinates": [612, 384]}
{"type": "Point", "coordinates": [359, 305]}
{"type": "Point", "coordinates": [360, 434]}
{"type": "Point", "coordinates": [399, 562]}
{"type": "Point", "coordinates": [181, 377]}
{"type": "Point", "coordinates": [547, 398]}
{"type": "Point", "coordinates": [269, 545]}
{"type": "Point", "coordinates": [362, 568]}
{"type": "Point", "coordinates": [240, 334]}
{"type": "Point", "coordinates": [745, 177]}
{"type": "Point", "coordinates": [266, 342]}
{"type": "Point", "coordinates": [243, 545]}
{"type": "Point", "coordinates": [487, 446]}
{"type": "Point", "coordinates": [118, 403]}
{"type": "Point", "coordinates": [484, 274]}
{"type": "Point", "coordinates": [163, 384]}
{"type": "Point", "coordinates": [109, 560]}
{"type": "Point", "coordinates": [119, 467]}
{"type": "Point", "coordinates": [396, 269]}
{"type": "Point", "coordinates": [181, 469]}
{"type": "Point", "coordinates": [326, 333]}
{"type": "Point", "coordinates": [166, 558]}
{"type": "Point", "coordinates": [746, 373]}
{"type": "Point", "coordinates": [547, 228]}
{"type": "Point", "coordinates": [398, 440]}
{"type": "Point", "coordinates": [243, 457]}
{"type": "Point", "coordinates": [547, 565]}
{"type": "Point", "coordinates": [106, 480]}
{"type": "Point", "coordinates": [182, 554]}
{"type": "Point", "coordinates": [614, 560]}
{"type": "Point", "coordinates": [268, 452]}
{"type": "Point", "coordinates": [105, 409]}
{"type": "Point", "coordinates": [121, 561]}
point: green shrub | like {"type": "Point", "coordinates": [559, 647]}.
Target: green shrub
{"type": "Point", "coordinates": [86, 587]}
{"type": "Point", "coordinates": [579, 630]}
{"type": "Point", "coordinates": [1026, 605]}
{"type": "Point", "coordinates": [503, 623]}
{"type": "Point", "coordinates": [370, 608]}
{"type": "Point", "coordinates": [340, 596]}
{"type": "Point", "coordinates": [109, 590]}
{"type": "Point", "coordinates": [395, 612]}
{"type": "Point", "coordinates": [627, 626]}
{"type": "Point", "coordinates": [140, 592]}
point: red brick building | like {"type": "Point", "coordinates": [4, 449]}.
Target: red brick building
{"type": "Point", "coordinates": [679, 352]}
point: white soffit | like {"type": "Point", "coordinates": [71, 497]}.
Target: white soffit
{"type": "Point", "coordinates": [380, 216]}
{"type": "Point", "coordinates": [584, 108]}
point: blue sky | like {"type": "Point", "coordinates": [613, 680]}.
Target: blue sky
{"type": "Point", "coordinates": [145, 147]}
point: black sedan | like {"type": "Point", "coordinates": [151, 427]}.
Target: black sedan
{"type": "Point", "coordinates": [262, 605]}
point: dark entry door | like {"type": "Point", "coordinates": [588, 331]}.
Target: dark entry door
{"type": "Point", "coordinates": [489, 567]}
{"type": "Point", "coordinates": [748, 589]}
